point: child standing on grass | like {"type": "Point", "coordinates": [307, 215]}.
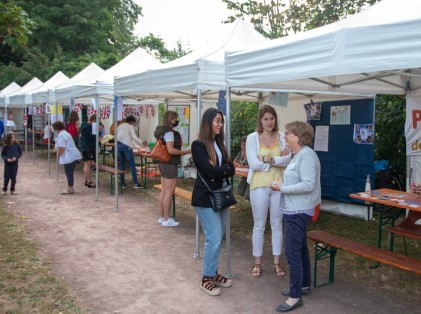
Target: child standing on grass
{"type": "Point", "coordinates": [10, 153]}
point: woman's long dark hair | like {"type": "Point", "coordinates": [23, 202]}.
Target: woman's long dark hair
{"type": "Point", "coordinates": [206, 135]}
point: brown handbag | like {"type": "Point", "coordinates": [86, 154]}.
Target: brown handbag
{"type": "Point", "coordinates": [160, 152]}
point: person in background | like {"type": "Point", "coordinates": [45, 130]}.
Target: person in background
{"type": "Point", "coordinates": [215, 168]}
{"type": "Point", "coordinates": [88, 149]}
{"type": "Point", "coordinates": [48, 133]}
{"type": "Point", "coordinates": [68, 154]}
{"type": "Point", "coordinates": [300, 193]}
{"type": "Point", "coordinates": [73, 126]}
{"type": "Point", "coordinates": [101, 130]}
{"type": "Point", "coordinates": [1, 129]}
{"type": "Point", "coordinates": [10, 153]}
{"type": "Point", "coordinates": [240, 161]}
{"type": "Point", "coordinates": [125, 138]}
{"type": "Point", "coordinates": [169, 171]}
{"type": "Point", "coordinates": [267, 155]}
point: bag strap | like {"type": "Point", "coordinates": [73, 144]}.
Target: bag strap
{"type": "Point", "coordinates": [204, 181]}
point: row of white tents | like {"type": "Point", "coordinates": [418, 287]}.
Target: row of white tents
{"type": "Point", "coordinates": [373, 52]}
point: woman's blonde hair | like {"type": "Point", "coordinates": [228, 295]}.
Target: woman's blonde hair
{"type": "Point", "coordinates": [303, 131]}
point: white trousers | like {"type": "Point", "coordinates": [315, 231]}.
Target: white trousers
{"type": "Point", "coordinates": [264, 199]}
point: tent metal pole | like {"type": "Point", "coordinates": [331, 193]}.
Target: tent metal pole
{"type": "Point", "coordinates": [97, 147]}
{"type": "Point", "coordinates": [49, 143]}
{"type": "Point", "coordinates": [228, 273]}
{"type": "Point", "coordinates": [26, 132]}
{"type": "Point", "coordinates": [199, 115]}
{"type": "Point", "coordinates": [33, 137]}
{"type": "Point", "coordinates": [116, 178]}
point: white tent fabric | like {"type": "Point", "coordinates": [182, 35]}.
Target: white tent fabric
{"type": "Point", "coordinates": [375, 51]}
{"type": "Point", "coordinates": [183, 77]}
{"type": "Point", "coordinates": [40, 95]}
{"type": "Point", "coordinates": [23, 96]}
{"type": "Point", "coordinates": [9, 89]}
{"type": "Point", "coordinates": [65, 91]}
{"type": "Point", "coordinates": [137, 61]}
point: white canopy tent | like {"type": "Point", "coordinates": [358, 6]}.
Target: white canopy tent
{"type": "Point", "coordinates": [23, 95]}
{"type": "Point", "coordinates": [197, 71]}
{"type": "Point", "coordinates": [9, 89]}
{"type": "Point", "coordinates": [375, 51]}
{"type": "Point", "coordinates": [66, 90]}
{"type": "Point", "coordinates": [101, 86]}
{"type": "Point", "coordinates": [40, 95]}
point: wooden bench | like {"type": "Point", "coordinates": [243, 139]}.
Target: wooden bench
{"type": "Point", "coordinates": [184, 194]}
{"type": "Point", "coordinates": [111, 171]}
{"type": "Point", "coordinates": [326, 245]}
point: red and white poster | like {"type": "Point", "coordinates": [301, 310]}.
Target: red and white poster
{"type": "Point", "coordinates": [413, 125]}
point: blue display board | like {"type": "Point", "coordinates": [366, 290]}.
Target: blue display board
{"type": "Point", "coordinates": [344, 167]}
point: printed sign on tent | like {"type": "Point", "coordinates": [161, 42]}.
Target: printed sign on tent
{"type": "Point", "coordinates": [413, 125]}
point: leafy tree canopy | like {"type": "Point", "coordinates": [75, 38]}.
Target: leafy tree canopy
{"type": "Point", "coordinates": [14, 24]}
{"type": "Point", "coordinates": [278, 18]}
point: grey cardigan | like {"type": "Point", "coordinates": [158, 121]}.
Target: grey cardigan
{"type": "Point", "coordinates": [301, 186]}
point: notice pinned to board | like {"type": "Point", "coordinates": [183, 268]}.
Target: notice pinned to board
{"type": "Point", "coordinates": [321, 138]}
{"type": "Point", "coordinates": [340, 115]}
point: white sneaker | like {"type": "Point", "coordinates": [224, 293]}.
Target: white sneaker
{"type": "Point", "coordinates": [169, 223]}
{"type": "Point", "coordinates": [160, 220]}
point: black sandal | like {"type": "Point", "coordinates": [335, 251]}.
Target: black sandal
{"type": "Point", "coordinates": [222, 281]}
{"type": "Point", "coordinates": [89, 184]}
{"type": "Point", "coordinates": [208, 286]}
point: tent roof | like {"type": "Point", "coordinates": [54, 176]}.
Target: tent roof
{"type": "Point", "coordinates": [199, 70]}
{"type": "Point", "coordinates": [40, 95]}
{"type": "Point", "coordinates": [11, 88]}
{"type": "Point", "coordinates": [18, 98]}
{"type": "Point", "coordinates": [103, 83]}
{"type": "Point", "coordinates": [65, 90]}
{"type": "Point", "coordinates": [375, 51]}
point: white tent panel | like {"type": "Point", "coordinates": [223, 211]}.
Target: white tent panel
{"type": "Point", "coordinates": [200, 70]}
{"type": "Point", "coordinates": [9, 89]}
{"type": "Point", "coordinates": [40, 95]}
{"type": "Point", "coordinates": [65, 91]}
{"type": "Point", "coordinates": [19, 98]}
{"type": "Point", "coordinates": [375, 51]}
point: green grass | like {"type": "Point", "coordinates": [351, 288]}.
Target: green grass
{"type": "Point", "coordinates": [27, 284]}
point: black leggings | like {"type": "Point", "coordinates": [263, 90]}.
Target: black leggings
{"type": "Point", "coordinates": [10, 173]}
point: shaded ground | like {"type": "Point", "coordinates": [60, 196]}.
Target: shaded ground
{"type": "Point", "coordinates": [124, 262]}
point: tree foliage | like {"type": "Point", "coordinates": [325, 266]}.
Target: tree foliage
{"type": "Point", "coordinates": [14, 24]}
{"type": "Point", "coordinates": [390, 132]}
{"type": "Point", "coordinates": [156, 47]}
{"type": "Point", "coordinates": [278, 18]}
{"type": "Point", "coordinates": [68, 35]}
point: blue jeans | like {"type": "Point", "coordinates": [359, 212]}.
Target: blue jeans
{"type": "Point", "coordinates": [125, 153]}
{"type": "Point", "coordinates": [69, 170]}
{"type": "Point", "coordinates": [213, 225]}
{"type": "Point", "coordinates": [296, 252]}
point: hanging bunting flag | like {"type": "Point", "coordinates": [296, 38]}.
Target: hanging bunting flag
{"type": "Point", "coordinates": [105, 112]}
{"type": "Point", "coordinates": [91, 111]}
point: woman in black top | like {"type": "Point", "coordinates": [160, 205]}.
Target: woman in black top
{"type": "Point", "coordinates": [215, 167]}
{"type": "Point", "coordinates": [88, 149]}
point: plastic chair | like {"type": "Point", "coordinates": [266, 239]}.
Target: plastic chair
{"type": "Point", "coordinates": [407, 228]}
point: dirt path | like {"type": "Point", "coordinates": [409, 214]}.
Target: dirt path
{"type": "Point", "coordinates": [124, 262]}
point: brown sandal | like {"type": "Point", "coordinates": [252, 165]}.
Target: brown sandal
{"type": "Point", "coordinates": [222, 281]}
{"type": "Point", "coordinates": [257, 270]}
{"type": "Point", "coordinates": [279, 271]}
{"type": "Point", "coordinates": [208, 286]}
